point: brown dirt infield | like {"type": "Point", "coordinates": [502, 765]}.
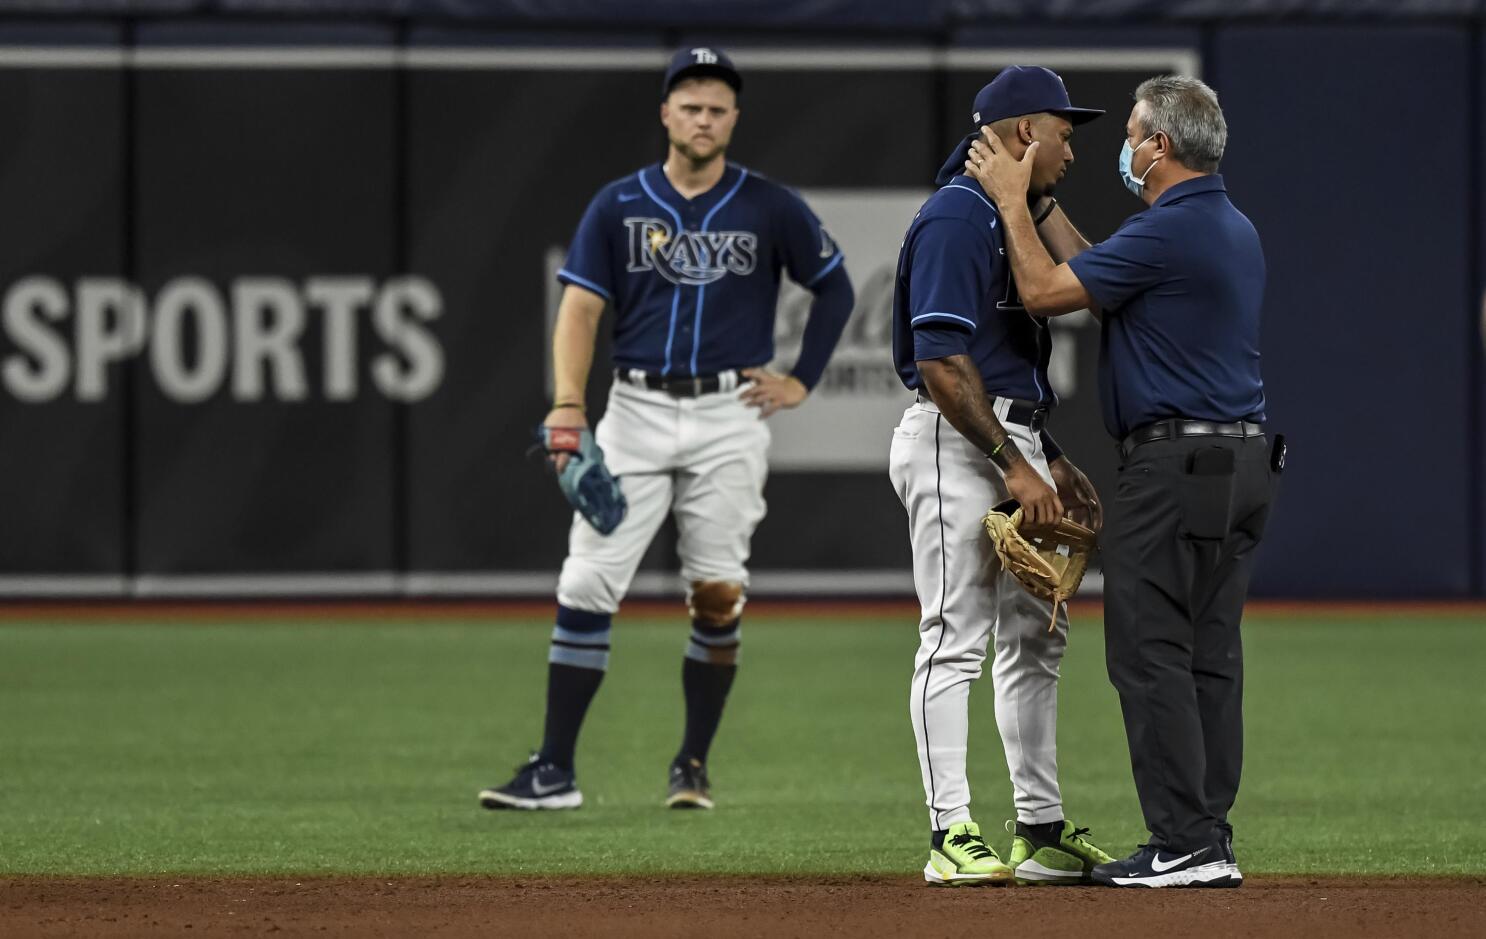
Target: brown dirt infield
{"type": "Point", "coordinates": [723, 907]}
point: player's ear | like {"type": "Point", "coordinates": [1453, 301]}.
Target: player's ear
{"type": "Point", "coordinates": [1024, 131]}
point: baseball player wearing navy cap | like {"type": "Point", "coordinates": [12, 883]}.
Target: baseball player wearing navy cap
{"type": "Point", "coordinates": [1180, 293]}
{"type": "Point", "coordinates": [977, 435]}
{"type": "Point", "coordinates": [688, 252]}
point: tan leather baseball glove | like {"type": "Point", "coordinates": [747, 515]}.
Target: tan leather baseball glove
{"type": "Point", "coordinates": [1048, 561]}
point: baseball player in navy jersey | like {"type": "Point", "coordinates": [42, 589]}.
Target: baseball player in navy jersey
{"type": "Point", "coordinates": [688, 253]}
{"type": "Point", "coordinates": [977, 435]}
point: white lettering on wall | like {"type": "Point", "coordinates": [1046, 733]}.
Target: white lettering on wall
{"type": "Point", "coordinates": [269, 320]}
{"type": "Point", "coordinates": [339, 299]}
{"type": "Point", "coordinates": [404, 305]}
{"type": "Point", "coordinates": [193, 301]}
{"type": "Point", "coordinates": [42, 367]}
{"type": "Point", "coordinates": [110, 328]}
{"type": "Point", "coordinates": [251, 339]}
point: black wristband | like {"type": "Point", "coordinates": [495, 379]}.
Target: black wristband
{"type": "Point", "coordinates": [1050, 448]}
{"type": "Point", "coordinates": [1051, 204]}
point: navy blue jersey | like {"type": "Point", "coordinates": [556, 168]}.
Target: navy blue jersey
{"type": "Point", "coordinates": [955, 295]}
{"type": "Point", "coordinates": [694, 283]}
{"type": "Point", "coordinates": [1181, 285]}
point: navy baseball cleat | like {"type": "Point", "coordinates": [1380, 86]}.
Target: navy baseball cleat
{"type": "Point", "coordinates": [539, 784]}
{"type": "Point", "coordinates": [689, 788]}
{"type": "Point", "coordinates": [1150, 866]}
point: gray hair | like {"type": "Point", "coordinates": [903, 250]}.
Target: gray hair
{"type": "Point", "coordinates": [1187, 112]}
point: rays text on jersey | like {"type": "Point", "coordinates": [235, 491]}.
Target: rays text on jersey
{"type": "Point", "coordinates": [689, 258]}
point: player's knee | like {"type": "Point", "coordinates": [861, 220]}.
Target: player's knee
{"type": "Point", "coordinates": [715, 603]}
{"type": "Point", "coordinates": [962, 664]}
{"type": "Point", "coordinates": [584, 586]}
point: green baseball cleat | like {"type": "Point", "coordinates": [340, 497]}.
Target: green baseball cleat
{"type": "Point", "coordinates": [965, 860]}
{"type": "Point", "coordinates": [1069, 860]}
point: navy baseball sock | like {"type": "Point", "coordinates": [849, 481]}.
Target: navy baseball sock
{"type": "Point", "coordinates": [707, 675]}
{"type": "Point", "coordinates": [576, 663]}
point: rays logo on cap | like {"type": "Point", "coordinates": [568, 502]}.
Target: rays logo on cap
{"type": "Point", "coordinates": [704, 56]}
{"type": "Point", "coordinates": [689, 258]}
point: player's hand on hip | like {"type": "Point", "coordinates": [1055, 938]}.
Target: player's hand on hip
{"type": "Point", "coordinates": [1004, 178]}
{"type": "Point", "coordinates": [1077, 493]}
{"type": "Point", "coordinates": [771, 391]}
{"type": "Point", "coordinates": [1040, 503]}
{"type": "Point", "coordinates": [568, 418]}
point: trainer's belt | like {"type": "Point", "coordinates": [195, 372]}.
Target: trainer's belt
{"type": "Point", "coordinates": [679, 386]}
{"type": "Point", "coordinates": [1028, 414]}
{"type": "Point", "coordinates": [1172, 428]}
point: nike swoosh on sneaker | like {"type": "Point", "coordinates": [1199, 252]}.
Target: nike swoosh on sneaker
{"type": "Point", "coordinates": [540, 790]}
{"type": "Point", "coordinates": [1159, 867]}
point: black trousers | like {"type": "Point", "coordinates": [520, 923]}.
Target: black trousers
{"type": "Point", "coordinates": [1178, 548]}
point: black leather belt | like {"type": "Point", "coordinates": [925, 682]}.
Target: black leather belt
{"type": "Point", "coordinates": [1175, 427]}
{"type": "Point", "coordinates": [689, 386]}
{"type": "Point", "coordinates": [1029, 414]}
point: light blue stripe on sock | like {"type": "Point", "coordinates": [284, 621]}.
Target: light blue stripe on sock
{"type": "Point", "coordinates": [708, 656]}
{"type": "Point", "coordinates": [597, 659]}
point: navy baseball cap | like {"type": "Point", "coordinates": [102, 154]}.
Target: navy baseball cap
{"type": "Point", "coordinates": [1018, 90]}
{"type": "Point", "coordinates": [701, 62]}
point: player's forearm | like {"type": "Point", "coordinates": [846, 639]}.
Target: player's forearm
{"type": "Point", "coordinates": [572, 346]}
{"type": "Point", "coordinates": [1046, 287]}
{"type": "Point", "coordinates": [956, 387]}
{"type": "Point", "coordinates": [829, 312]}
{"type": "Point", "coordinates": [1060, 237]}
{"type": "Point", "coordinates": [1031, 264]}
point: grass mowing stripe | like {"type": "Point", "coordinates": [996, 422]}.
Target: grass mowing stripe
{"type": "Point", "coordinates": [299, 747]}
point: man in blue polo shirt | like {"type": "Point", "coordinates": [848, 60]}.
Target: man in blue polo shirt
{"type": "Point", "coordinates": [1179, 289]}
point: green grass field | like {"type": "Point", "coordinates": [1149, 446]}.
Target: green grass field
{"type": "Point", "coordinates": [304, 747]}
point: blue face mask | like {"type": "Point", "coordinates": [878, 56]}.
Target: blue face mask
{"type": "Point", "coordinates": [1127, 154]}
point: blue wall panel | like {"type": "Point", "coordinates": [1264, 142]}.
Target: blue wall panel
{"type": "Point", "coordinates": [1347, 170]}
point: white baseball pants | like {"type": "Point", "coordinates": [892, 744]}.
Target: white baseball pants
{"type": "Point", "coordinates": [947, 485]}
{"type": "Point", "coordinates": [705, 458]}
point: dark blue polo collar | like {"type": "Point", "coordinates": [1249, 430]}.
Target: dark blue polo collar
{"type": "Point", "coordinates": [1213, 182]}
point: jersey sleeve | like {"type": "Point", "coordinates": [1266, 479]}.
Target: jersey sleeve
{"type": "Point", "coordinates": [590, 263]}
{"type": "Point", "coordinates": [948, 275]}
{"type": "Point", "coordinates": [809, 251]}
{"type": "Point", "coordinates": [1130, 262]}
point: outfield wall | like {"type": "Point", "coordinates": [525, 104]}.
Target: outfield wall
{"type": "Point", "coordinates": [274, 296]}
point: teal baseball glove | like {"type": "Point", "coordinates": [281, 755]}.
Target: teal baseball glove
{"type": "Point", "coordinates": [585, 480]}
